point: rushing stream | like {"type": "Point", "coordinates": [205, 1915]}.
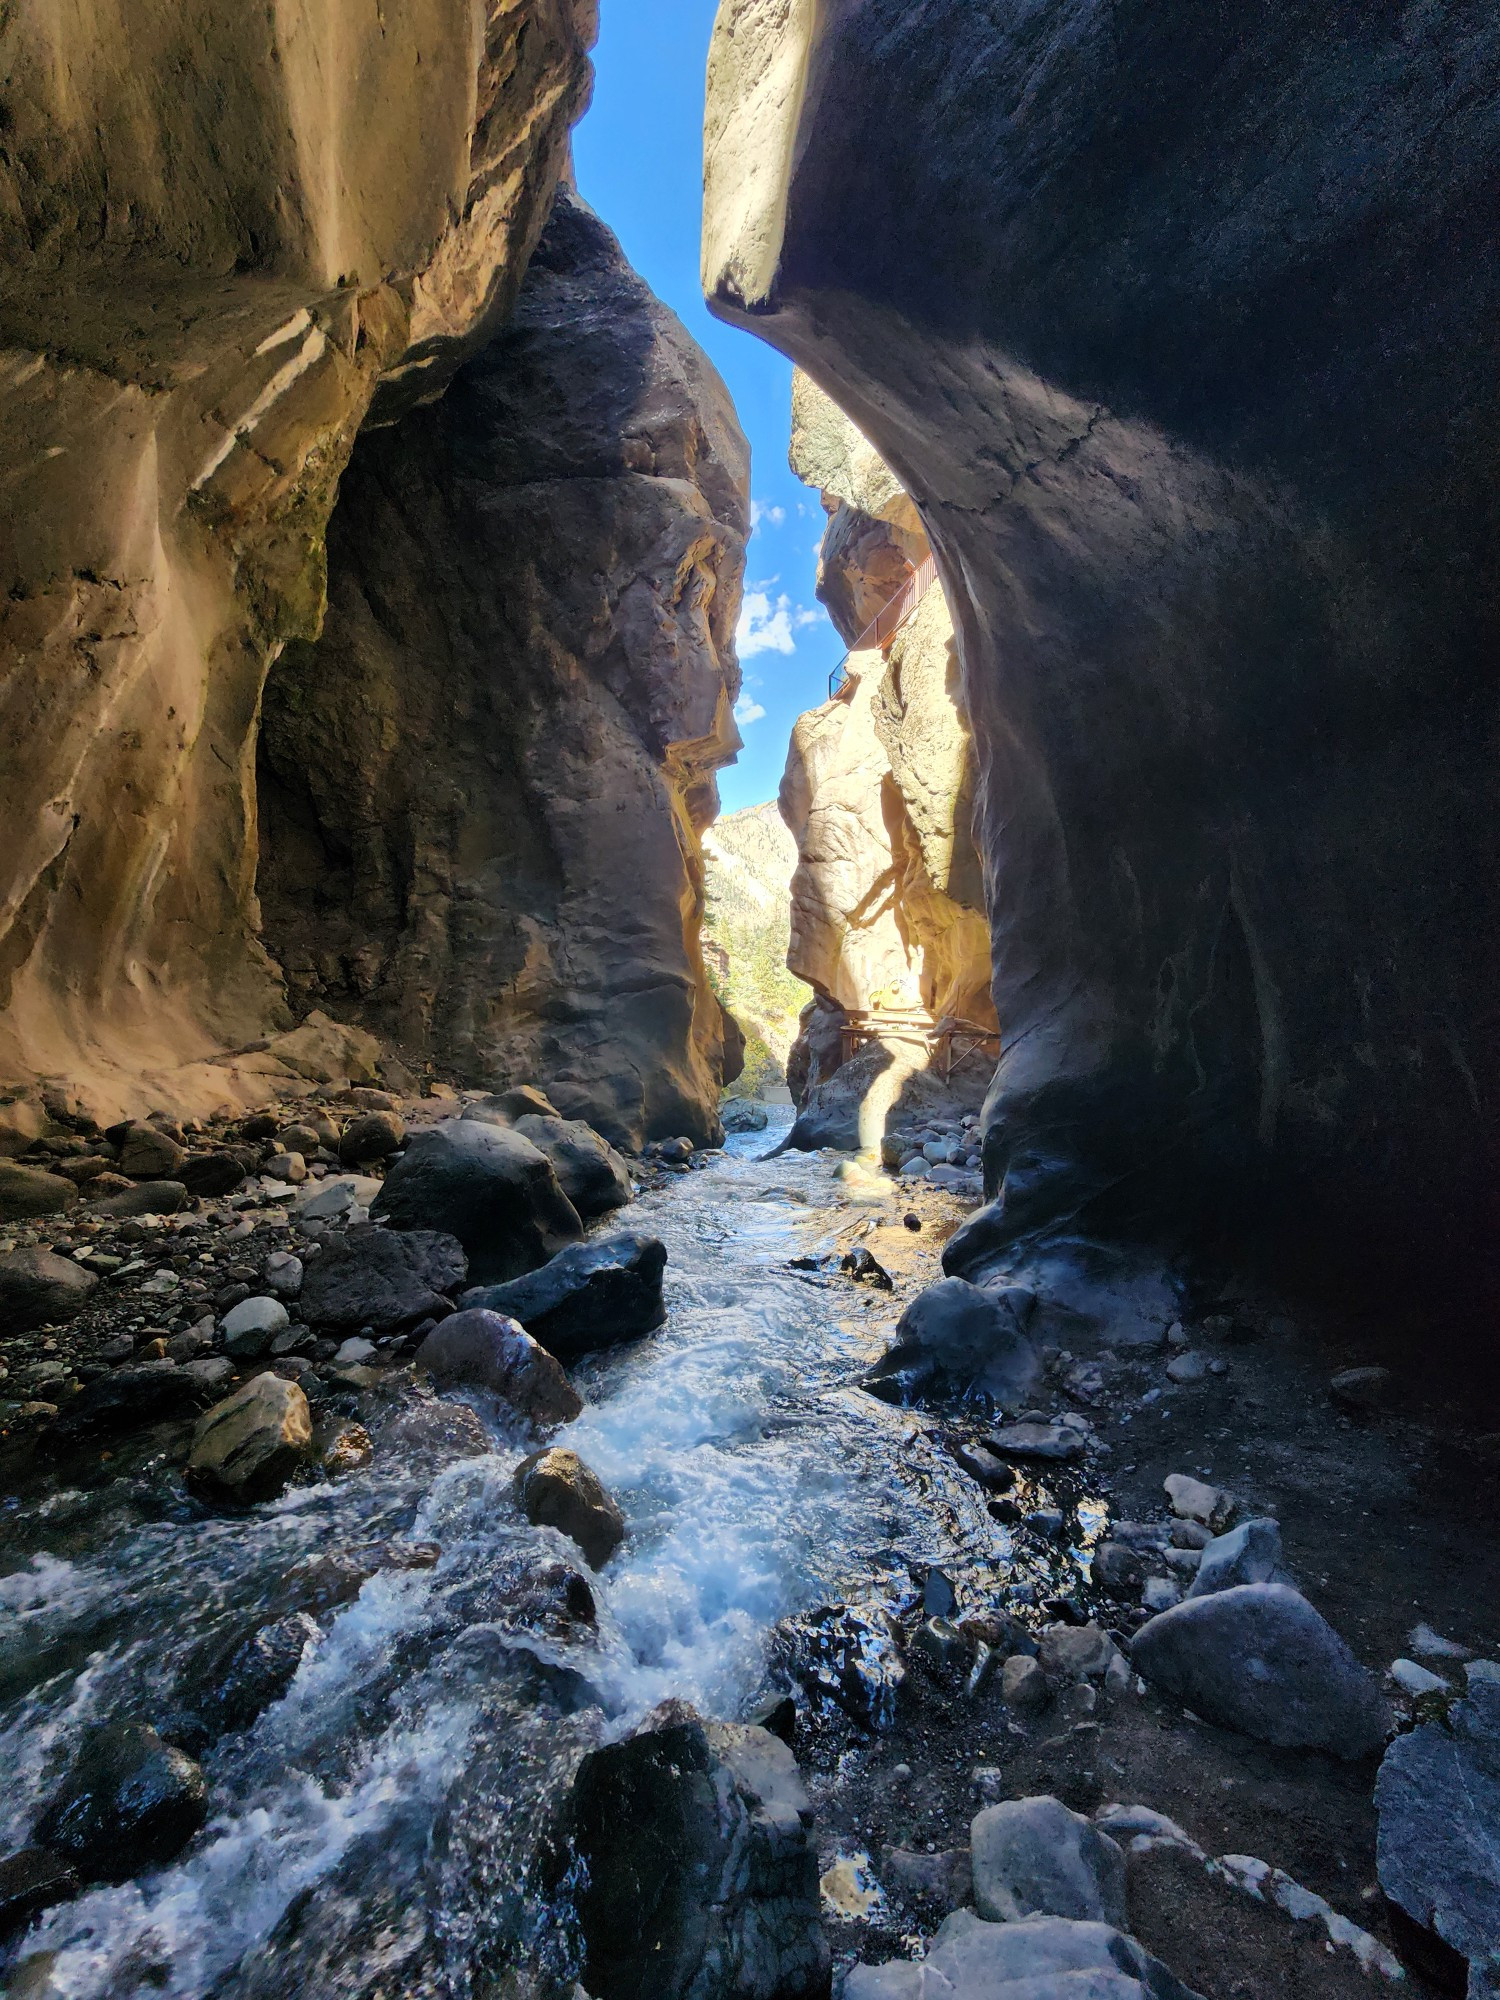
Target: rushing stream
{"type": "Point", "coordinates": [373, 1830]}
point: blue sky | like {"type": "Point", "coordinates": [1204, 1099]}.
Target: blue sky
{"type": "Point", "coordinates": [639, 154]}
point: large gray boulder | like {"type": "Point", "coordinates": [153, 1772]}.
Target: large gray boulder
{"type": "Point", "coordinates": [698, 1878]}
{"type": "Point", "coordinates": [382, 1278]}
{"type": "Point", "coordinates": [1044, 1958]}
{"type": "Point", "coordinates": [590, 1295]}
{"type": "Point", "coordinates": [476, 1349]}
{"type": "Point", "coordinates": [1438, 1846]}
{"type": "Point", "coordinates": [1034, 1858]}
{"type": "Point", "coordinates": [39, 1288]}
{"type": "Point", "coordinates": [488, 1186]}
{"type": "Point", "coordinates": [1260, 1659]}
{"type": "Point", "coordinates": [956, 1339]}
{"type": "Point", "coordinates": [589, 1171]}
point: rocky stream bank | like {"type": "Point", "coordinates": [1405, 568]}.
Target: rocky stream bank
{"type": "Point", "coordinates": [424, 1577]}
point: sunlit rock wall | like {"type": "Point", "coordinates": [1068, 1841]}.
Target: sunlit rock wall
{"type": "Point", "coordinates": [1180, 326]}
{"type": "Point", "coordinates": [225, 231]}
{"type": "Point", "coordinates": [483, 789]}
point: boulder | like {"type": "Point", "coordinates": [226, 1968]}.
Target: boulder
{"type": "Point", "coordinates": [156, 1392]}
{"type": "Point", "coordinates": [478, 1349]}
{"type": "Point", "coordinates": [150, 1198]}
{"type": "Point", "coordinates": [377, 1135]}
{"type": "Point", "coordinates": [1258, 1658]}
{"type": "Point", "coordinates": [251, 1326]}
{"type": "Point", "coordinates": [129, 1802]}
{"type": "Point", "coordinates": [32, 1880]}
{"type": "Point", "coordinates": [1438, 1801]}
{"type": "Point", "coordinates": [1044, 1958]}
{"type": "Point", "coordinates": [247, 1447]}
{"type": "Point", "coordinates": [384, 1278]}
{"type": "Point", "coordinates": [28, 1192]}
{"type": "Point", "coordinates": [149, 1154]}
{"type": "Point", "coordinates": [1035, 1858]}
{"type": "Point", "coordinates": [1250, 1553]}
{"type": "Point", "coordinates": [589, 1171]}
{"type": "Point", "coordinates": [955, 1339]}
{"type": "Point", "coordinates": [556, 1489]}
{"type": "Point", "coordinates": [39, 1288]}
{"type": "Point", "coordinates": [740, 1115]}
{"type": "Point", "coordinates": [697, 1875]}
{"type": "Point", "coordinates": [1023, 1683]}
{"type": "Point", "coordinates": [591, 1295]}
{"type": "Point", "coordinates": [489, 1187]}
{"type": "Point", "coordinates": [327, 1051]}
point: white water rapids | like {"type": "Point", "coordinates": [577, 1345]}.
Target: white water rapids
{"type": "Point", "coordinates": [383, 1811]}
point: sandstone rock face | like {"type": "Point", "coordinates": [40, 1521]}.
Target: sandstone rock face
{"type": "Point", "coordinates": [1201, 433]}
{"type": "Point", "coordinates": [483, 790]}
{"type": "Point", "coordinates": [224, 236]}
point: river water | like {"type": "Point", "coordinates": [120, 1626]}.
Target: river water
{"type": "Point", "coordinates": [372, 1833]}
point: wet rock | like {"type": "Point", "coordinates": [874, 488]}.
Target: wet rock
{"type": "Point", "coordinates": [675, 1152]}
{"type": "Point", "coordinates": [983, 1465]}
{"type": "Point", "coordinates": [1035, 1858]}
{"type": "Point", "coordinates": [555, 1489]}
{"type": "Point", "coordinates": [28, 1192]}
{"type": "Point", "coordinates": [1363, 1390]}
{"type": "Point", "coordinates": [148, 1154]}
{"type": "Point", "coordinates": [956, 1339]}
{"type": "Point", "coordinates": [1250, 1553]}
{"type": "Point", "coordinates": [245, 1678]}
{"type": "Point", "coordinates": [743, 1116]}
{"type": "Point", "coordinates": [1258, 1658]}
{"type": "Point", "coordinates": [31, 1881]}
{"type": "Point", "coordinates": [590, 1295]}
{"type": "Point", "coordinates": [128, 1803]}
{"type": "Point", "coordinates": [149, 1198]}
{"type": "Point", "coordinates": [698, 1875]}
{"type": "Point", "coordinates": [38, 1288]}
{"type": "Point", "coordinates": [157, 1392]}
{"type": "Point", "coordinates": [251, 1326]}
{"type": "Point", "coordinates": [247, 1447]}
{"type": "Point", "coordinates": [1192, 1500]}
{"type": "Point", "coordinates": [865, 1269]}
{"type": "Point", "coordinates": [1038, 1443]}
{"type": "Point", "coordinates": [589, 1171]}
{"type": "Point", "coordinates": [381, 1278]}
{"type": "Point", "coordinates": [489, 1187]}
{"type": "Point", "coordinates": [846, 1655]}
{"type": "Point", "coordinates": [378, 1135]}
{"type": "Point", "coordinates": [479, 1349]}
{"type": "Point", "coordinates": [1023, 1684]}
{"type": "Point", "coordinates": [970, 1959]}
{"type": "Point", "coordinates": [1438, 1801]}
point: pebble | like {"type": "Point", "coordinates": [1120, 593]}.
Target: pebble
{"type": "Point", "coordinates": [1185, 1369]}
{"type": "Point", "coordinates": [1416, 1680]}
{"type": "Point", "coordinates": [1192, 1500]}
{"type": "Point", "coordinates": [1430, 1645]}
{"type": "Point", "coordinates": [250, 1327]}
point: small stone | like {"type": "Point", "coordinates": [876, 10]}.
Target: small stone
{"type": "Point", "coordinates": [352, 1353]}
{"type": "Point", "coordinates": [1430, 1645]}
{"type": "Point", "coordinates": [210, 1373]}
{"type": "Point", "coordinates": [1190, 1535]}
{"type": "Point", "coordinates": [941, 1641]}
{"type": "Point", "coordinates": [1194, 1501]}
{"type": "Point", "coordinates": [1023, 1684]}
{"type": "Point", "coordinates": [1044, 1443]}
{"type": "Point", "coordinates": [557, 1490]}
{"type": "Point", "coordinates": [378, 1135]}
{"type": "Point", "coordinates": [675, 1152]}
{"type": "Point", "coordinates": [1188, 1368]}
{"type": "Point", "coordinates": [1035, 1858]}
{"type": "Point", "coordinates": [249, 1327]}
{"type": "Point", "coordinates": [188, 1346]}
{"type": "Point", "coordinates": [1363, 1389]}
{"type": "Point", "coordinates": [1250, 1553]}
{"type": "Point", "coordinates": [147, 1154]}
{"type": "Point", "coordinates": [984, 1466]}
{"type": "Point", "coordinates": [1076, 1652]}
{"type": "Point", "coordinates": [207, 1176]}
{"type": "Point", "coordinates": [1416, 1680]}
{"type": "Point", "coordinates": [284, 1274]}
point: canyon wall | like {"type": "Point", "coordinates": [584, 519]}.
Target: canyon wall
{"type": "Point", "coordinates": [483, 788]}
{"type": "Point", "coordinates": [224, 238]}
{"type": "Point", "coordinates": [1180, 327]}
{"type": "Point", "coordinates": [887, 900]}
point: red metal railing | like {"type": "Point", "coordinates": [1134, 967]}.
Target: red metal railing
{"type": "Point", "coordinates": [886, 623]}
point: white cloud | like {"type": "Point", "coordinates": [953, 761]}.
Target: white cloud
{"type": "Point", "coordinates": [747, 710]}
{"type": "Point", "coordinates": [768, 511]}
{"type": "Point", "coordinates": [764, 627]}
{"type": "Point", "coordinates": [806, 617]}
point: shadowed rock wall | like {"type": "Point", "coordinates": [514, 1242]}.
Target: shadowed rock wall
{"type": "Point", "coordinates": [223, 233]}
{"type": "Point", "coordinates": [483, 788]}
{"type": "Point", "coordinates": [1179, 324]}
